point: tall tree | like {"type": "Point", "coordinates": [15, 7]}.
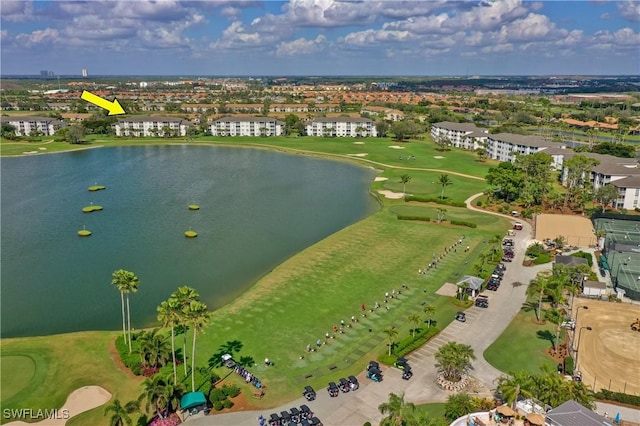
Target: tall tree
{"type": "Point", "coordinates": [538, 286]}
{"type": "Point", "coordinates": [458, 405]}
{"type": "Point", "coordinates": [576, 177]}
{"type": "Point", "coordinates": [127, 282]}
{"type": "Point", "coordinates": [160, 395]}
{"type": "Point", "coordinates": [444, 180]}
{"type": "Point", "coordinates": [416, 320]}
{"type": "Point", "coordinates": [606, 195]}
{"type": "Point", "coordinates": [515, 385]}
{"type": "Point", "coordinates": [507, 181]}
{"type": "Point", "coordinates": [198, 316]}
{"type": "Point", "coordinates": [120, 413]}
{"type": "Point", "coordinates": [391, 333]}
{"type": "Point", "coordinates": [404, 180]}
{"type": "Point", "coordinates": [536, 169]}
{"type": "Point", "coordinates": [397, 410]}
{"type": "Point", "coordinates": [555, 317]}
{"type": "Point", "coordinates": [430, 311]}
{"type": "Point", "coordinates": [169, 316]}
{"type": "Point", "coordinates": [183, 296]}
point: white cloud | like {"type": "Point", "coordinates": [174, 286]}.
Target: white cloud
{"type": "Point", "coordinates": [301, 46]}
{"type": "Point", "coordinates": [38, 37]}
{"type": "Point", "coordinates": [629, 9]}
{"type": "Point", "coordinates": [16, 11]}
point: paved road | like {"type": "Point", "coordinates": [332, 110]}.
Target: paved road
{"type": "Point", "coordinates": [482, 328]}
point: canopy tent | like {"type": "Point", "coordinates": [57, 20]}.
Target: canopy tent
{"type": "Point", "coordinates": [535, 419]}
{"type": "Point", "coordinates": [505, 410]}
{"type": "Point", "coordinates": [470, 282]}
{"type": "Point", "coordinates": [192, 399]}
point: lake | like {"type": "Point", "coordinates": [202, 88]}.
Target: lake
{"type": "Point", "coordinates": [257, 208]}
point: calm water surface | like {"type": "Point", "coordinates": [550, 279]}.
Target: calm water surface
{"type": "Point", "coordinates": [257, 209]}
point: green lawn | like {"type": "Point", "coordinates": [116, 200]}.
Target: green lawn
{"type": "Point", "coordinates": [301, 299]}
{"type": "Point", "coordinates": [530, 339]}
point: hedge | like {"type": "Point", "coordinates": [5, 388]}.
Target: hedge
{"type": "Point", "coordinates": [130, 359]}
{"type": "Point", "coordinates": [543, 258]}
{"type": "Point", "coordinates": [587, 256]}
{"type": "Point", "coordinates": [568, 365]}
{"type": "Point", "coordinates": [408, 345]}
{"type": "Point", "coordinates": [405, 217]}
{"type": "Point", "coordinates": [463, 223]}
{"type": "Point", "coordinates": [434, 200]}
{"type": "Point", "coordinates": [618, 397]}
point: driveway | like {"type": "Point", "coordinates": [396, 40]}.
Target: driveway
{"type": "Point", "coordinates": [482, 328]}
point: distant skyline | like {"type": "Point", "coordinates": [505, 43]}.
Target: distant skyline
{"type": "Point", "coordinates": [320, 37]}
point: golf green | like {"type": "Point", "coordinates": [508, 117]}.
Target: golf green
{"type": "Point", "coordinates": [17, 372]}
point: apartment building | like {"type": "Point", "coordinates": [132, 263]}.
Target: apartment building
{"type": "Point", "coordinates": [151, 126]}
{"type": "Point", "coordinates": [30, 125]}
{"type": "Point", "coordinates": [628, 192]}
{"type": "Point", "coordinates": [288, 108]}
{"type": "Point", "coordinates": [506, 146]}
{"type": "Point", "coordinates": [460, 135]}
{"type": "Point", "coordinates": [341, 127]}
{"type": "Point", "coordinates": [199, 107]}
{"type": "Point", "coordinates": [246, 126]}
{"type": "Point", "coordinates": [246, 108]}
{"type": "Point", "coordinates": [389, 114]}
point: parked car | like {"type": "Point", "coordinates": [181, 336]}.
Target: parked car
{"type": "Point", "coordinates": [568, 323]}
{"type": "Point", "coordinates": [517, 226]}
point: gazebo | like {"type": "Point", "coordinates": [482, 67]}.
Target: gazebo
{"type": "Point", "coordinates": [194, 402]}
{"type": "Point", "coordinates": [470, 282]}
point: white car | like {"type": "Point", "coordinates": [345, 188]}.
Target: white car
{"type": "Point", "coordinates": [568, 324]}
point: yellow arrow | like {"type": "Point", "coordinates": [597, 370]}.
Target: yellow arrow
{"type": "Point", "coordinates": [114, 107]}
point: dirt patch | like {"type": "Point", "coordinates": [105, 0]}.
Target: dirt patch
{"type": "Point", "coordinates": [608, 354]}
{"type": "Point", "coordinates": [448, 289]}
{"type": "Point", "coordinates": [576, 230]}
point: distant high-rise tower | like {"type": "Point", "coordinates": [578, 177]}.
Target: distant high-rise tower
{"type": "Point", "coordinates": [84, 73]}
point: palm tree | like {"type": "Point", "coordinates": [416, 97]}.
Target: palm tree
{"type": "Point", "coordinates": [454, 359]}
{"type": "Point", "coordinates": [441, 211]}
{"type": "Point", "coordinates": [154, 350]}
{"type": "Point", "coordinates": [184, 296]}
{"type": "Point", "coordinates": [127, 282]}
{"type": "Point", "coordinates": [391, 334]}
{"type": "Point", "coordinates": [120, 416]}
{"type": "Point", "coordinates": [169, 316]}
{"type": "Point", "coordinates": [404, 180]}
{"type": "Point", "coordinates": [538, 286]}
{"type": "Point", "coordinates": [416, 320]}
{"type": "Point", "coordinates": [556, 317]}
{"type": "Point", "coordinates": [161, 395]}
{"type": "Point", "coordinates": [515, 385]}
{"type": "Point", "coordinates": [198, 316]}
{"type": "Point", "coordinates": [444, 181]}
{"type": "Point", "coordinates": [397, 409]}
{"type": "Point", "coordinates": [430, 310]}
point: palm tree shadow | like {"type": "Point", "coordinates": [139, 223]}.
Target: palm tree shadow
{"type": "Point", "coordinates": [230, 347]}
{"type": "Point", "coordinates": [516, 284]}
{"type": "Point", "coordinates": [546, 335]}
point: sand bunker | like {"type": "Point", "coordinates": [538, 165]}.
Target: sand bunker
{"type": "Point", "coordinates": [79, 401]}
{"type": "Point", "coordinates": [439, 157]}
{"type": "Point", "coordinates": [380, 179]}
{"type": "Point", "coordinates": [364, 154]}
{"type": "Point", "coordinates": [391, 195]}
{"type": "Point", "coordinates": [396, 147]}
{"type": "Point", "coordinates": [358, 143]}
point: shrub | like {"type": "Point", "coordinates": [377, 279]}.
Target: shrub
{"type": "Point", "coordinates": [463, 223]}
{"type": "Point", "coordinates": [434, 200]}
{"type": "Point", "coordinates": [479, 203]}
{"type": "Point", "coordinates": [217, 395]}
{"type": "Point", "coordinates": [227, 403]}
{"type": "Point", "coordinates": [367, 424]}
{"type": "Point", "coordinates": [568, 365]}
{"type": "Point", "coordinates": [618, 397]}
{"type": "Point", "coordinates": [218, 405]}
{"type": "Point", "coordinates": [543, 258]}
{"type": "Point", "coordinates": [535, 250]}
{"type": "Point", "coordinates": [387, 359]}
{"type": "Point", "coordinates": [406, 217]}
{"type": "Point", "coordinates": [587, 256]}
{"type": "Point", "coordinates": [130, 360]}
{"type": "Point", "coordinates": [231, 391]}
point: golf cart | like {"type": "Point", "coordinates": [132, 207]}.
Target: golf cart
{"type": "Point", "coordinates": [305, 412]}
{"type": "Point", "coordinates": [401, 363]}
{"type": "Point", "coordinates": [295, 414]}
{"type": "Point", "coordinates": [228, 361]}
{"type": "Point", "coordinates": [274, 420]}
{"type": "Point", "coordinates": [353, 383]}
{"type": "Point", "coordinates": [461, 316]}
{"type": "Point", "coordinates": [309, 393]}
{"type": "Point", "coordinates": [482, 301]}
{"type": "Point", "coordinates": [333, 390]}
{"type": "Point", "coordinates": [407, 373]}
{"type": "Point", "coordinates": [373, 371]}
{"type": "Point", "coordinates": [343, 384]}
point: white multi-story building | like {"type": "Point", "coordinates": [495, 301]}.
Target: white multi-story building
{"type": "Point", "coordinates": [31, 125]}
{"type": "Point", "coordinates": [506, 146]}
{"type": "Point", "coordinates": [629, 192]}
{"type": "Point", "coordinates": [151, 126]}
{"type": "Point", "coordinates": [460, 135]}
{"type": "Point", "coordinates": [342, 127]}
{"type": "Point", "coordinates": [246, 126]}
{"type": "Point", "coordinates": [386, 113]}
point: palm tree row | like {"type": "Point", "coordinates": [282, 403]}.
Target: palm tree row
{"type": "Point", "coordinates": [126, 282]}
{"type": "Point", "coordinates": [555, 284]}
{"type": "Point", "coordinates": [548, 387]}
{"type": "Point", "coordinates": [184, 309]}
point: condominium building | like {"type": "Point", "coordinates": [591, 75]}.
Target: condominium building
{"type": "Point", "coordinates": [460, 135]}
{"type": "Point", "coordinates": [506, 146]}
{"type": "Point", "coordinates": [341, 127]}
{"type": "Point", "coordinates": [246, 126]}
{"type": "Point", "coordinates": [31, 125]}
{"type": "Point", "coordinates": [151, 126]}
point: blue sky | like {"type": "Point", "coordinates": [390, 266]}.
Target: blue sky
{"type": "Point", "coordinates": [321, 37]}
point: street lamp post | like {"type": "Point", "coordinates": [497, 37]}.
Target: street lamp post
{"type": "Point", "coordinates": [578, 345]}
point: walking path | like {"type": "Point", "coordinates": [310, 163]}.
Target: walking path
{"type": "Point", "coordinates": [482, 328]}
